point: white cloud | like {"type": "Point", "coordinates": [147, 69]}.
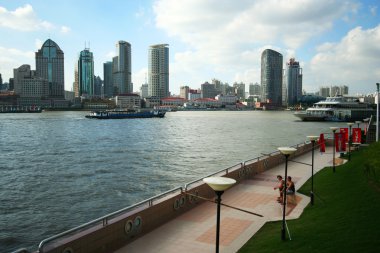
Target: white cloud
{"type": "Point", "coordinates": [65, 29]}
{"type": "Point", "coordinates": [110, 54]}
{"type": "Point", "coordinates": [23, 19]}
{"type": "Point", "coordinates": [14, 57]}
{"type": "Point", "coordinates": [353, 61]}
{"type": "Point", "coordinates": [38, 44]}
{"type": "Point", "coordinates": [373, 10]}
{"type": "Point", "coordinates": [226, 36]}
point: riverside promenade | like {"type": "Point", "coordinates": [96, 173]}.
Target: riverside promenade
{"type": "Point", "coordinates": [194, 231]}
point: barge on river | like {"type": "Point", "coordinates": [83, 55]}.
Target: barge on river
{"type": "Point", "coordinates": [125, 114]}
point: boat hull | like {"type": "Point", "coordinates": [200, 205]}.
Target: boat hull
{"type": "Point", "coordinates": [125, 115]}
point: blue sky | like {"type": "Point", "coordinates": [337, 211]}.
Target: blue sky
{"type": "Point", "coordinates": [336, 42]}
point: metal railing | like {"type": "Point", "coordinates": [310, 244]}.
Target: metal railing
{"type": "Point", "coordinates": [149, 202]}
{"type": "Point", "coordinates": [106, 218]}
{"type": "Point", "coordinates": [226, 171]}
{"type": "Point", "coordinates": [23, 250]}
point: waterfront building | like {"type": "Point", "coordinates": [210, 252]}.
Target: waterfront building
{"type": "Point", "coordinates": [206, 103]}
{"type": "Point", "coordinates": [240, 90]}
{"type": "Point", "coordinates": [144, 91]}
{"type": "Point", "coordinates": [184, 92]}
{"type": "Point", "coordinates": [293, 82]}
{"type": "Point", "coordinates": [151, 102]}
{"type": "Point", "coordinates": [11, 85]}
{"type": "Point", "coordinates": [208, 90]}
{"type": "Point", "coordinates": [271, 77]}
{"type": "Point", "coordinates": [76, 81]}
{"type": "Point", "coordinates": [173, 101]}
{"type": "Point", "coordinates": [344, 90]}
{"type": "Point", "coordinates": [324, 91]}
{"type": "Point", "coordinates": [69, 95]}
{"type": "Point", "coordinates": [98, 87]}
{"type": "Point", "coordinates": [218, 86]}
{"type": "Point", "coordinates": [254, 89]}
{"type": "Point", "coordinates": [227, 99]}
{"type": "Point", "coordinates": [338, 90]}
{"type": "Point", "coordinates": [121, 69]}
{"type": "Point", "coordinates": [28, 85]}
{"type": "Point", "coordinates": [334, 91]}
{"type": "Point", "coordinates": [331, 91]}
{"type": "Point", "coordinates": [194, 94]}
{"type": "Point", "coordinates": [107, 79]}
{"type": "Point", "coordinates": [128, 101]}
{"type": "Point", "coordinates": [50, 66]}
{"type": "Point", "coordinates": [84, 81]}
{"type": "Point", "coordinates": [158, 70]}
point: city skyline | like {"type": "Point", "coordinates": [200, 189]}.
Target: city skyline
{"type": "Point", "coordinates": [335, 43]}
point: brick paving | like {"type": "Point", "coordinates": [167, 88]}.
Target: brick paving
{"type": "Point", "coordinates": [194, 231]}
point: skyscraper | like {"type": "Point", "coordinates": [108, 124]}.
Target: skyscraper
{"type": "Point", "coordinates": [158, 71]}
{"type": "Point", "coordinates": [271, 77]}
{"type": "Point", "coordinates": [107, 77]}
{"type": "Point", "coordinates": [98, 86]}
{"type": "Point", "coordinates": [254, 89]}
{"type": "Point", "coordinates": [28, 86]}
{"type": "Point", "coordinates": [85, 74]}
{"type": "Point", "coordinates": [50, 66]}
{"type": "Point", "coordinates": [122, 68]}
{"type": "Point", "coordinates": [293, 81]}
{"type": "Point", "coordinates": [184, 92]}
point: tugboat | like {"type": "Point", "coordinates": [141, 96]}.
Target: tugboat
{"type": "Point", "coordinates": [125, 114]}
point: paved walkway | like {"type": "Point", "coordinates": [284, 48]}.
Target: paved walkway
{"type": "Point", "coordinates": [194, 231]}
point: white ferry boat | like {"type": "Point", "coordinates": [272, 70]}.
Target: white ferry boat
{"type": "Point", "coordinates": [337, 108]}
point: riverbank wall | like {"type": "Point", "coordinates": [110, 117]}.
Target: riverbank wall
{"type": "Point", "coordinates": [115, 230]}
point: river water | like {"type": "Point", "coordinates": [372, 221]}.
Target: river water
{"type": "Point", "coordinates": [59, 169]}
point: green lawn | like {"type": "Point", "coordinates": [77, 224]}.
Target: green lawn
{"type": "Point", "coordinates": [345, 217]}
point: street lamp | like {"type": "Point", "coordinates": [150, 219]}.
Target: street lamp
{"type": "Point", "coordinates": [349, 141]}
{"type": "Point", "coordinates": [219, 185]}
{"type": "Point", "coordinates": [312, 139]}
{"type": "Point", "coordinates": [334, 130]}
{"type": "Point", "coordinates": [286, 151]}
{"type": "Point", "coordinates": [377, 113]}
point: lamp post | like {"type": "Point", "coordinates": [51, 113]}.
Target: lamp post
{"type": "Point", "coordinates": [334, 130]}
{"type": "Point", "coordinates": [349, 141]}
{"type": "Point", "coordinates": [312, 139]}
{"type": "Point", "coordinates": [286, 151]}
{"type": "Point", "coordinates": [219, 185]}
{"type": "Point", "coordinates": [377, 113]}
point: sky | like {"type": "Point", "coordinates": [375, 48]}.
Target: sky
{"type": "Point", "coordinates": [336, 42]}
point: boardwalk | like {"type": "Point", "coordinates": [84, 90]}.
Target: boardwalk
{"type": "Point", "coordinates": [194, 231]}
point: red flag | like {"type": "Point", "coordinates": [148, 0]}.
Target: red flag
{"type": "Point", "coordinates": [357, 135]}
{"type": "Point", "coordinates": [322, 144]}
{"type": "Point", "coordinates": [344, 130]}
{"type": "Point", "coordinates": [340, 143]}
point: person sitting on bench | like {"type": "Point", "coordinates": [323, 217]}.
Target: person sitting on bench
{"type": "Point", "coordinates": [290, 188]}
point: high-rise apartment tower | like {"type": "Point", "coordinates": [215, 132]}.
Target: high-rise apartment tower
{"type": "Point", "coordinates": [158, 70]}
{"type": "Point", "coordinates": [122, 68]}
{"type": "Point", "coordinates": [271, 77]}
{"type": "Point", "coordinates": [293, 81]}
